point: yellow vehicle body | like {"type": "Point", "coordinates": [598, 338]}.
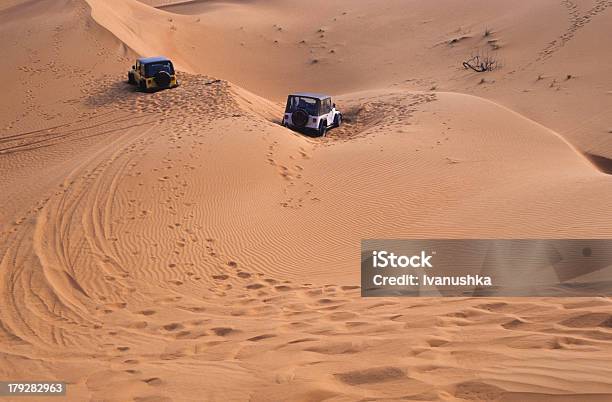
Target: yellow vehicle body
{"type": "Point", "coordinates": [153, 73]}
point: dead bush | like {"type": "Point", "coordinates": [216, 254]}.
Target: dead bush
{"type": "Point", "coordinates": [482, 62]}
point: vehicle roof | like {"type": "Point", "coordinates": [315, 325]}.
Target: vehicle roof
{"type": "Point", "coordinates": [145, 60]}
{"type": "Point", "coordinates": [310, 95]}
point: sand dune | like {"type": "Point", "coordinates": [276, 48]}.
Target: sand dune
{"type": "Point", "coordinates": [349, 46]}
{"type": "Point", "coordinates": [182, 245]}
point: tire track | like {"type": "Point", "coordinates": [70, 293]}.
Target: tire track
{"type": "Point", "coordinates": [42, 268]}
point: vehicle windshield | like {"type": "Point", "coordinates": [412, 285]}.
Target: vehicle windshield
{"type": "Point", "coordinates": [153, 68]}
{"type": "Point", "coordinates": [310, 105]}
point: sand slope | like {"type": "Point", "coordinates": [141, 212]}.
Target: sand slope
{"type": "Point", "coordinates": [347, 46]}
{"type": "Point", "coordinates": [183, 246]}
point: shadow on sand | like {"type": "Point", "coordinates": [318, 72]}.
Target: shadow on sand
{"type": "Point", "coordinates": [602, 163]}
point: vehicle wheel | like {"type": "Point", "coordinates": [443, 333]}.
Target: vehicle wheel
{"type": "Point", "coordinates": [322, 129]}
{"type": "Point", "coordinates": [299, 118]}
{"type": "Point", "coordinates": [162, 79]}
{"type": "Point", "coordinates": [338, 120]}
{"type": "Point", "coordinates": [131, 79]}
{"type": "Point", "coordinates": [142, 86]}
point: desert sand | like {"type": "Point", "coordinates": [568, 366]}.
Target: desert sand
{"type": "Point", "coordinates": [183, 246]}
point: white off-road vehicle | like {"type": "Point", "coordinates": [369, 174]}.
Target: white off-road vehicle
{"type": "Point", "coordinates": [311, 113]}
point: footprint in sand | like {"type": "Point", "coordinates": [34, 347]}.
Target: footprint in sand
{"type": "Point", "coordinates": [153, 381]}
{"type": "Point", "coordinates": [437, 342]}
{"type": "Point", "coordinates": [478, 391]}
{"type": "Point", "coordinates": [261, 337]}
{"type": "Point", "coordinates": [589, 320]}
{"type": "Point", "coordinates": [302, 340]}
{"type": "Point", "coordinates": [173, 326]}
{"type": "Point", "coordinates": [371, 375]}
{"type": "Point", "coordinates": [223, 331]}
